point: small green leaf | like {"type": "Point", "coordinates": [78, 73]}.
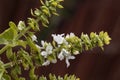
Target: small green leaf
{"type": "Point", "coordinates": [47, 3]}
{"type": "Point", "coordinates": [55, 13]}
{"type": "Point", "coordinates": [32, 45]}
{"type": "Point", "coordinates": [9, 53]}
{"type": "Point", "coordinates": [33, 24]}
{"type": "Point", "coordinates": [32, 74]}
{"type": "Point", "coordinates": [22, 43]}
{"type": "Point", "coordinates": [53, 9]}
{"type": "Point", "coordinates": [26, 57]}
{"type": "Point", "coordinates": [13, 25]}
{"type": "Point", "coordinates": [44, 19]}
{"type": "Point", "coordinates": [60, 6]}
{"type": "Point", "coordinates": [37, 12]}
{"type": "Point", "coordinates": [54, 3]}
{"type": "Point", "coordinates": [106, 38]}
{"type": "Point", "coordinates": [9, 34]}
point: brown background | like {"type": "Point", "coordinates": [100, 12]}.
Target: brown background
{"type": "Point", "coordinates": [80, 16]}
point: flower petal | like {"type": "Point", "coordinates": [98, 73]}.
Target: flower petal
{"type": "Point", "coordinates": [58, 38]}
{"type": "Point", "coordinates": [67, 62]}
{"type": "Point", "coordinates": [61, 56]}
{"type": "Point", "coordinates": [46, 63]}
{"type": "Point", "coordinates": [21, 25]}
{"type": "Point", "coordinates": [44, 53]}
{"type": "Point", "coordinates": [34, 38]}
{"type": "Point", "coordinates": [49, 49]}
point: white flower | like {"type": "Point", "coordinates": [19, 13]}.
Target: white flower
{"type": "Point", "coordinates": [58, 38]}
{"type": "Point", "coordinates": [46, 63]}
{"type": "Point", "coordinates": [34, 38]}
{"type": "Point", "coordinates": [70, 35]}
{"type": "Point", "coordinates": [65, 54]}
{"type": "Point", "coordinates": [61, 56]}
{"type": "Point", "coordinates": [21, 25]}
{"type": "Point", "coordinates": [48, 51]}
{"type": "Point", "coordinates": [42, 43]}
{"type": "Point", "coordinates": [44, 53]}
{"type": "Point", "coordinates": [67, 60]}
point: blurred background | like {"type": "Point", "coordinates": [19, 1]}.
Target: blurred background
{"type": "Point", "coordinates": [78, 16]}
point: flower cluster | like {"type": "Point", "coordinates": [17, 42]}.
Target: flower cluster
{"type": "Point", "coordinates": [65, 47]}
{"type": "Point", "coordinates": [48, 8]}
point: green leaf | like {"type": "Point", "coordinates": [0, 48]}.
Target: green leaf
{"type": "Point", "coordinates": [54, 3]}
{"type": "Point", "coordinates": [9, 53]}
{"type": "Point", "coordinates": [53, 9]}
{"type": "Point", "coordinates": [32, 74]}
{"type": "Point", "coordinates": [14, 28]}
{"type": "Point", "coordinates": [44, 19]}
{"type": "Point", "coordinates": [60, 6]}
{"type": "Point", "coordinates": [33, 24]}
{"type": "Point", "coordinates": [47, 3]}
{"type": "Point", "coordinates": [22, 43]}
{"type": "Point", "coordinates": [9, 34]}
{"type": "Point", "coordinates": [26, 57]}
{"type": "Point", "coordinates": [37, 12]}
{"type": "Point", "coordinates": [13, 25]}
{"type": "Point", "coordinates": [55, 13]}
{"type": "Point", "coordinates": [32, 45]}
{"type": "Point", "coordinates": [106, 38]}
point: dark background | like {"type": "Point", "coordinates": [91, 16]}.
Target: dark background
{"type": "Point", "coordinates": [78, 16]}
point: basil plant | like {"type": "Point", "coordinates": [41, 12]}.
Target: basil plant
{"type": "Point", "coordinates": [20, 45]}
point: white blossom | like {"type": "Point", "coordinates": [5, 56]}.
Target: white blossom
{"type": "Point", "coordinates": [65, 54]}
{"type": "Point", "coordinates": [34, 38]}
{"type": "Point", "coordinates": [58, 38]}
{"type": "Point", "coordinates": [61, 56]}
{"type": "Point", "coordinates": [42, 43]}
{"type": "Point", "coordinates": [48, 50]}
{"type": "Point", "coordinates": [44, 53]}
{"type": "Point", "coordinates": [68, 58]}
{"type": "Point", "coordinates": [70, 35]}
{"type": "Point", "coordinates": [21, 25]}
{"type": "Point", "coordinates": [46, 63]}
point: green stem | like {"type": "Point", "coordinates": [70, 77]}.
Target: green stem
{"type": "Point", "coordinates": [23, 32]}
{"type": "Point", "coordinates": [12, 63]}
{"type": "Point", "coordinates": [4, 48]}
{"type": "Point", "coordinates": [8, 65]}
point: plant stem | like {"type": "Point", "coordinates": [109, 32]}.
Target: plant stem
{"type": "Point", "coordinates": [22, 33]}
{"type": "Point", "coordinates": [8, 65]}
{"type": "Point", "coordinates": [4, 48]}
{"type": "Point", "coordinates": [11, 64]}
